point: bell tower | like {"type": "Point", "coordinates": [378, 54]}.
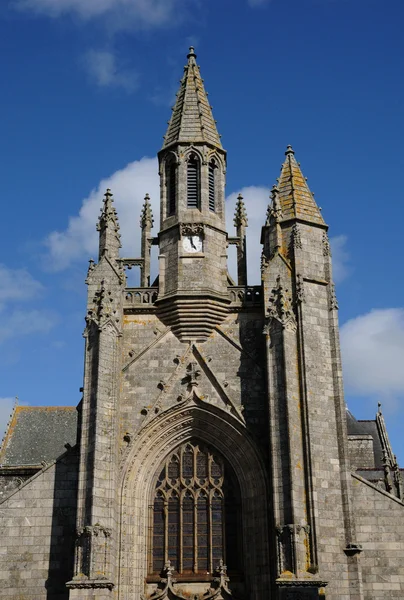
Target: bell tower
{"type": "Point", "coordinates": [192, 239]}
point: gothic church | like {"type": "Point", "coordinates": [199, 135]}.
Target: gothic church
{"type": "Point", "coordinates": [211, 456]}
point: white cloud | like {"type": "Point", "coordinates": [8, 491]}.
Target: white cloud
{"type": "Point", "coordinates": [373, 354]}
{"type": "Point", "coordinates": [122, 14]}
{"type": "Point", "coordinates": [6, 408]}
{"type": "Point", "coordinates": [17, 284]}
{"type": "Point", "coordinates": [340, 258]}
{"type": "Point", "coordinates": [80, 238]}
{"type": "Point", "coordinates": [17, 323]}
{"type": "Point", "coordinates": [103, 69]}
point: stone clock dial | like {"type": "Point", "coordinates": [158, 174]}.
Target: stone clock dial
{"type": "Point", "coordinates": [192, 243]}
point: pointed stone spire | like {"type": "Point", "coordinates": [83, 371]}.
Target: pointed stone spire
{"type": "Point", "coordinates": [241, 223]}
{"type": "Point", "coordinates": [296, 199]}
{"type": "Point", "coordinates": [192, 119]}
{"type": "Point", "coordinates": [108, 228]}
{"type": "Point", "coordinates": [146, 222]}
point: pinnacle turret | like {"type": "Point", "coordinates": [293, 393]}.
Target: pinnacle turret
{"type": "Point", "coordinates": [241, 222]}
{"type": "Point", "coordinates": [108, 228]}
{"type": "Point", "coordinates": [192, 119]}
{"type": "Point", "coordinates": [146, 217]}
{"type": "Point", "coordinates": [240, 214]}
{"type": "Point", "coordinates": [295, 198]}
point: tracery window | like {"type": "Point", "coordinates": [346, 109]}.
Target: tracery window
{"type": "Point", "coordinates": [195, 514]}
{"type": "Point", "coordinates": [212, 191]}
{"type": "Point", "coordinates": [193, 192]}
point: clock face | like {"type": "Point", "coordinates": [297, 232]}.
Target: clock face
{"type": "Point", "coordinates": [192, 243]}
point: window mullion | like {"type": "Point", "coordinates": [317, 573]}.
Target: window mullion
{"type": "Point", "coordinates": [165, 530]}
{"type": "Point", "coordinates": [180, 561]}
{"type": "Point", "coordinates": [210, 532]}
{"type": "Point", "coordinates": [195, 535]}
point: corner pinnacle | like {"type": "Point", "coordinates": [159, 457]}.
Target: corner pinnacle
{"type": "Point", "coordinates": [240, 214]}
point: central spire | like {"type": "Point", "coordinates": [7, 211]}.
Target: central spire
{"type": "Point", "coordinates": [192, 119]}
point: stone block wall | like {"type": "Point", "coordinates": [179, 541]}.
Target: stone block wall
{"type": "Point", "coordinates": [380, 530]}
{"type": "Point", "coordinates": [37, 530]}
{"type": "Point", "coordinates": [361, 453]}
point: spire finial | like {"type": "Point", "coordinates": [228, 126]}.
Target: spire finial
{"type": "Point", "coordinates": [146, 217]}
{"type": "Point", "coordinates": [191, 52]}
{"type": "Point", "coordinates": [108, 227]}
{"type": "Point", "coordinates": [240, 214]}
{"type": "Point", "coordinates": [289, 150]}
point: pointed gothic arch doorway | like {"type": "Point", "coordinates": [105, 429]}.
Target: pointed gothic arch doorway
{"type": "Point", "coordinates": [196, 424]}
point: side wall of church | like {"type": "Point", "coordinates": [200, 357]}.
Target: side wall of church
{"type": "Point", "coordinates": [37, 529]}
{"type": "Point", "coordinates": [380, 530]}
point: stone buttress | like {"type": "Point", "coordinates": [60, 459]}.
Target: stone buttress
{"type": "Point", "coordinates": [315, 535]}
{"type": "Point", "coordinates": [96, 542]}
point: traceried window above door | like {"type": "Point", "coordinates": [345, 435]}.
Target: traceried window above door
{"type": "Point", "coordinates": [195, 514]}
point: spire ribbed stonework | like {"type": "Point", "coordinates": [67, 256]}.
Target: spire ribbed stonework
{"type": "Point", "coordinates": [296, 199]}
{"type": "Point", "coordinates": [192, 119]}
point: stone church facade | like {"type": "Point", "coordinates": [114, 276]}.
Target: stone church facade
{"type": "Point", "coordinates": [212, 455]}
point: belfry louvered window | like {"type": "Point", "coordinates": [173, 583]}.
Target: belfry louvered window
{"type": "Point", "coordinates": [193, 192]}
{"type": "Point", "coordinates": [171, 176]}
{"type": "Point", "coordinates": [195, 514]}
{"type": "Point", "coordinates": [212, 190]}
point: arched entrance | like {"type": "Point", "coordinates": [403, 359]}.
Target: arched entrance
{"type": "Point", "coordinates": [148, 451]}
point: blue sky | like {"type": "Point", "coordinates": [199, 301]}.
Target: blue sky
{"type": "Point", "coordinates": [86, 93]}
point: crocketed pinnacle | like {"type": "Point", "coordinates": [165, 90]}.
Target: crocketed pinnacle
{"type": "Point", "coordinates": [108, 212]}
{"type": "Point", "coordinates": [146, 217]}
{"type": "Point", "coordinates": [192, 119]}
{"type": "Point", "coordinates": [274, 209]}
{"type": "Point", "coordinates": [295, 197]}
{"type": "Point", "coordinates": [108, 227]}
{"type": "Point", "coordinates": [240, 215]}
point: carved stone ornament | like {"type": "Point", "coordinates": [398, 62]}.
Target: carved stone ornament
{"type": "Point", "coordinates": [295, 239]}
{"type": "Point", "coordinates": [193, 374]}
{"type": "Point", "coordinates": [333, 297]}
{"type": "Point", "coordinates": [300, 292]}
{"type": "Point", "coordinates": [326, 245]}
{"type": "Point", "coordinates": [93, 530]}
{"type": "Point", "coordinates": [280, 307]}
{"type": "Point", "coordinates": [191, 229]}
{"type": "Point", "coordinates": [264, 263]}
{"type": "Point", "coordinates": [218, 589]}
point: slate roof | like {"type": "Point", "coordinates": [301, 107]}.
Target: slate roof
{"type": "Point", "coordinates": [356, 427]}
{"type": "Point", "coordinates": [192, 119]}
{"type": "Point", "coordinates": [295, 197]}
{"type": "Point", "coordinates": [38, 433]}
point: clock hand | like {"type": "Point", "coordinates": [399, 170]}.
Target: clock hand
{"type": "Point", "coordinates": [192, 242]}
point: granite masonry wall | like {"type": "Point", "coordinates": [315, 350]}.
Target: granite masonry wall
{"type": "Point", "coordinates": [37, 530]}
{"type": "Point", "coordinates": [380, 531]}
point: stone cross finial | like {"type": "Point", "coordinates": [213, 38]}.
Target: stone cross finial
{"type": "Point", "coordinates": [193, 373]}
